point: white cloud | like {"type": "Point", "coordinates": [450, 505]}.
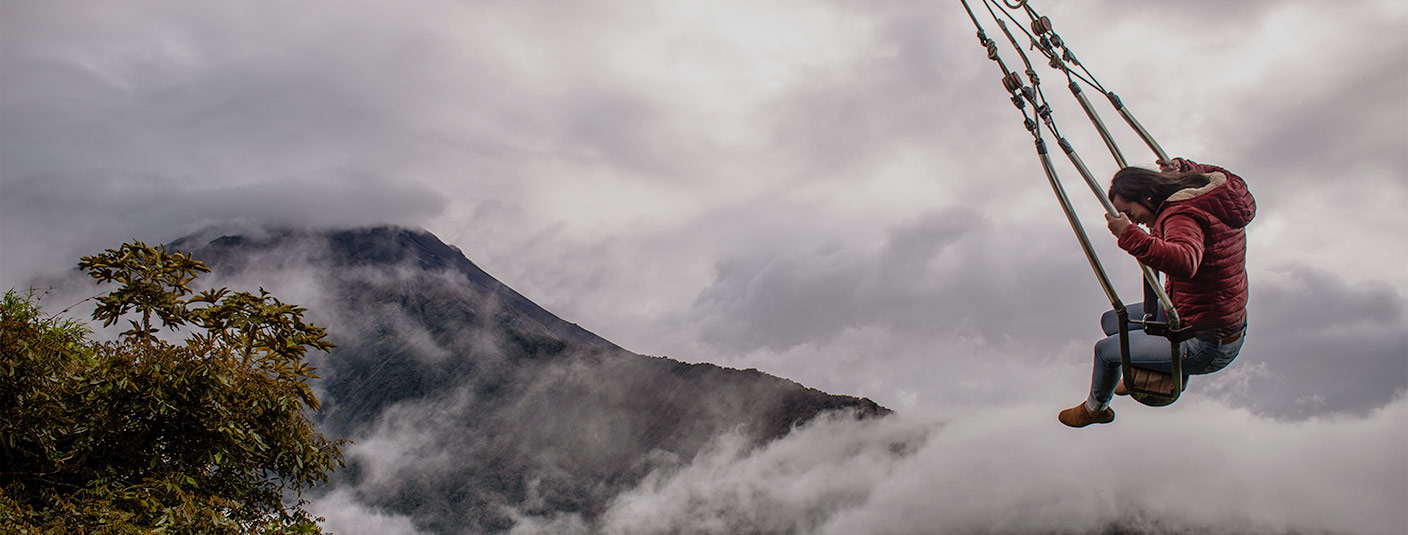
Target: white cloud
{"type": "Point", "coordinates": [1200, 466]}
{"type": "Point", "coordinates": [345, 516]}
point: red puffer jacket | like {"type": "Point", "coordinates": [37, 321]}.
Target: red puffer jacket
{"type": "Point", "coordinates": [1200, 243]}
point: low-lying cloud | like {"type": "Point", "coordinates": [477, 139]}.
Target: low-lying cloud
{"type": "Point", "coordinates": [1197, 467]}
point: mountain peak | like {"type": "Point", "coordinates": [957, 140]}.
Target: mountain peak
{"type": "Point", "coordinates": [385, 248]}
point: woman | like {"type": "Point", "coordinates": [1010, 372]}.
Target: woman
{"type": "Point", "coordinates": [1196, 215]}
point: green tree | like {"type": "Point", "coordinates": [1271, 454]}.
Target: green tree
{"type": "Point", "coordinates": [209, 434]}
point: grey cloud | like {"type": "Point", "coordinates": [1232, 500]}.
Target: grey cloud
{"type": "Point", "coordinates": [895, 100]}
{"type": "Point", "coordinates": [946, 270]}
{"type": "Point", "coordinates": [788, 300]}
{"type": "Point", "coordinates": [157, 120]}
{"type": "Point", "coordinates": [1208, 14]}
{"type": "Point", "coordinates": [206, 95]}
{"type": "Point", "coordinates": [1317, 344]}
{"type": "Point", "coordinates": [1336, 122]}
{"type": "Point", "coordinates": [152, 119]}
{"type": "Point", "coordinates": [91, 217]}
{"type": "Point", "coordinates": [619, 127]}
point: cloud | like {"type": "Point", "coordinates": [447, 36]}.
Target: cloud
{"type": "Point", "coordinates": [838, 195]}
{"type": "Point", "coordinates": [1202, 467]}
{"type": "Point", "coordinates": [344, 514]}
{"type": "Point", "coordinates": [789, 486]}
{"type": "Point", "coordinates": [407, 444]}
{"type": "Point", "coordinates": [946, 270]}
{"type": "Point", "coordinates": [125, 207]}
{"type": "Point", "coordinates": [1320, 344]}
{"type": "Point", "coordinates": [834, 194]}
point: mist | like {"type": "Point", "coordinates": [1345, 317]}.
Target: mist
{"type": "Point", "coordinates": [1201, 467]}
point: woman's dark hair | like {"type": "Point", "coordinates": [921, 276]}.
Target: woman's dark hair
{"type": "Point", "coordinates": [1151, 188]}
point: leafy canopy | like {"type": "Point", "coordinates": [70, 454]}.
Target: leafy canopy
{"type": "Point", "coordinates": [138, 435]}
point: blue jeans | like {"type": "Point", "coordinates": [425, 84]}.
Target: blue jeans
{"type": "Point", "coordinates": [1201, 354]}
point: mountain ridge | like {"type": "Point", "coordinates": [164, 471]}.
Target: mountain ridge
{"type": "Point", "coordinates": [471, 405]}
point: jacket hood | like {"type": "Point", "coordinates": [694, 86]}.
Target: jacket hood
{"type": "Point", "coordinates": [1224, 198]}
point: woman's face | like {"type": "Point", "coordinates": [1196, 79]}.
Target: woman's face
{"type": "Point", "coordinates": [1136, 212]}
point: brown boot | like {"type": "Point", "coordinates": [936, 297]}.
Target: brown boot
{"type": "Point", "coordinates": [1079, 416]}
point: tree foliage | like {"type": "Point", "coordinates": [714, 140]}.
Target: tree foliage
{"type": "Point", "coordinates": [209, 434]}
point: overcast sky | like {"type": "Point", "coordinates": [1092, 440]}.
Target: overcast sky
{"type": "Point", "coordinates": [837, 192]}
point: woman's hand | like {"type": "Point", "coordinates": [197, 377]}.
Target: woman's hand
{"type": "Point", "coordinates": [1118, 224]}
{"type": "Point", "coordinates": [1176, 164]}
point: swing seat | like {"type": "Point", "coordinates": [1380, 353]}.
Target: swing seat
{"type": "Point", "coordinates": [1154, 388]}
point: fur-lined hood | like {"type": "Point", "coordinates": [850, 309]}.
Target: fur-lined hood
{"type": "Point", "coordinates": [1223, 198]}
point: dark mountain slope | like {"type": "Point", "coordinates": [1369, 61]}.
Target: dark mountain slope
{"type": "Point", "coordinates": [470, 404]}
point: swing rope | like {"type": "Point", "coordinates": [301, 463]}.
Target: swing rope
{"type": "Point", "coordinates": [1047, 44]}
{"type": "Point", "coordinates": [1023, 94]}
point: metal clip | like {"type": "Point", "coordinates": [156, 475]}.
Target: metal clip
{"type": "Point", "coordinates": [1012, 81]}
{"type": "Point", "coordinates": [1041, 25]}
